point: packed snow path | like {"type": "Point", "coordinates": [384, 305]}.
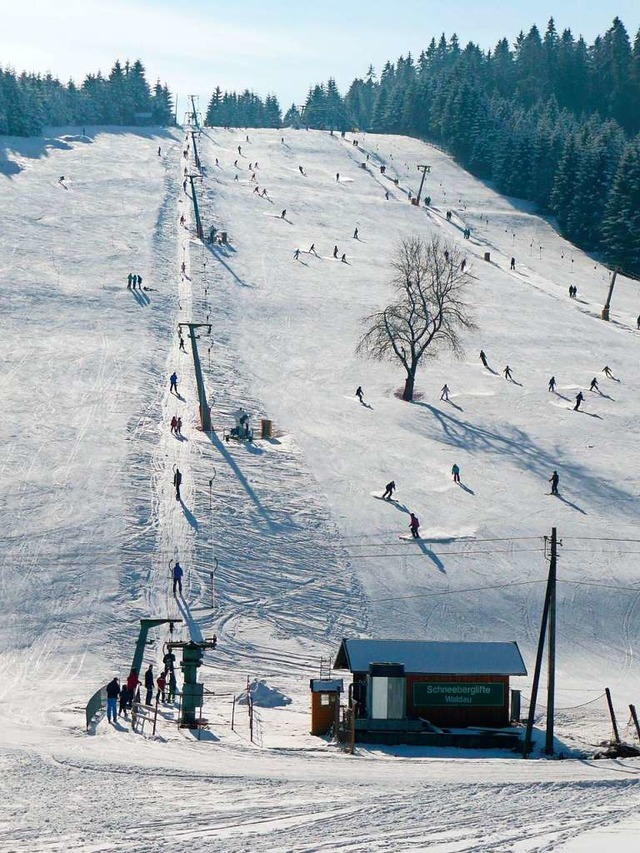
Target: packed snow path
{"type": "Point", "coordinates": [305, 552]}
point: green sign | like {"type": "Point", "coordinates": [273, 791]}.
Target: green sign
{"type": "Point", "coordinates": [432, 694]}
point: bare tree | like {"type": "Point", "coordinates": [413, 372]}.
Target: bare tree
{"type": "Point", "coordinates": [430, 312]}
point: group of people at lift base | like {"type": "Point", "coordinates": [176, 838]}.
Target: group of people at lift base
{"type": "Point", "coordinates": [129, 692]}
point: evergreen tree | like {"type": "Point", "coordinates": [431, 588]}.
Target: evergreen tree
{"type": "Point", "coordinates": [621, 227]}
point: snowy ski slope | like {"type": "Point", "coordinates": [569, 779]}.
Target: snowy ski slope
{"type": "Point", "coordinates": [305, 553]}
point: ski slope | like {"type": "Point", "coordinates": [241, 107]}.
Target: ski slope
{"type": "Point", "coordinates": [302, 551]}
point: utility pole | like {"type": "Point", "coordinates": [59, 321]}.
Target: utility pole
{"type": "Point", "coordinates": [196, 156]}
{"type": "Point", "coordinates": [196, 209]}
{"type": "Point", "coordinates": [194, 114]}
{"type": "Point", "coordinates": [607, 304]}
{"type": "Point", "coordinates": [205, 414]}
{"type": "Point", "coordinates": [548, 598]}
{"type": "Point", "coordinates": [424, 170]}
{"type": "Point", "coordinates": [551, 673]}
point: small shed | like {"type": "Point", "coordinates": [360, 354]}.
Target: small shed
{"type": "Point", "coordinates": [432, 684]}
{"type": "Point", "coordinates": [325, 703]}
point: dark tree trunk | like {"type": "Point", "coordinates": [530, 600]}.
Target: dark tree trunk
{"type": "Point", "coordinates": [407, 394]}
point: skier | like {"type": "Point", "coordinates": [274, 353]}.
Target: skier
{"type": "Point", "coordinates": [177, 482]}
{"type": "Point", "coordinates": [173, 383]}
{"type": "Point", "coordinates": [169, 661]}
{"type": "Point", "coordinates": [594, 385]}
{"type": "Point", "coordinates": [133, 684]}
{"type": "Point", "coordinates": [179, 427]}
{"type": "Point", "coordinates": [513, 263]}
{"type": "Point", "coordinates": [148, 683]}
{"type": "Point", "coordinates": [283, 214]}
{"type": "Point", "coordinates": [386, 195]}
{"type": "Point", "coordinates": [113, 691]}
{"type": "Point", "coordinates": [301, 170]}
{"type": "Point", "coordinates": [296, 254]}
{"type": "Point", "coordinates": [181, 346]}
{"type": "Point", "coordinates": [134, 281]}
{"type": "Point", "coordinates": [177, 578]}
{"type": "Point", "coordinates": [455, 470]}
{"type": "Point", "coordinates": [125, 701]}
{"type": "Point", "coordinates": [312, 250]}
{"type": "Point", "coordinates": [159, 151]}
{"type": "Point", "coordinates": [256, 189]}
{"type": "Point", "coordinates": [129, 280]}
{"type": "Point", "coordinates": [173, 686]}
{"type": "Point", "coordinates": [239, 149]}
{"type": "Point", "coordinates": [444, 392]}
{"type": "Point", "coordinates": [182, 220]}
{"type": "Point", "coordinates": [552, 384]}
{"type": "Point", "coordinates": [507, 373]}
{"type": "Point", "coordinates": [360, 393]}
{"type": "Point", "coordinates": [414, 526]}
{"type": "Point", "coordinates": [264, 193]}
{"type": "Point", "coordinates": [344, 258]}
{"type": "Point", "coordinates": [355, 234]}
{"type": "Point", "coordinates": [554, 479]}
{"type": "Point", "coordinates": [463, 264]}
{"type": "Point", "coordinates": [483, 358]}
{"type": "Point", "coordinates": [139, 281]}
{"type": "Point", "coordinates": [161, 681]}
{"type": "Point", "coordinates": [174, 425]}
{"type": "Point", "coordinates": [579, 399]}
{"type": "Point", "coordinates": [337, 176]}
{"type": "Point", "coordinates": [388, 491]}
{"type": "Point", "coordinates": [335, 251]}
{"type": "Point", "coordinates": [607, 372]}
{"type": "Point", "coordinates": [638, 321]}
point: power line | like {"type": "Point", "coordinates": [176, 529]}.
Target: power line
{"type": "Point", "coordinates": [454, 591]}
{"type": "Point", "coordinates": [435, 540]}
{"type": "Point", "coordinates": [447, 553]}
{"type": "Point", "coordinates": [501, 586]}
{"type": "Point", "coordinates": [598, 539]}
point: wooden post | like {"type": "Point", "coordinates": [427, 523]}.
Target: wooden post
{"type": "Point", "coordinates": [614, 722]}
{"type": "Point", "coordinates": [632, 708]}
{"type": "Point", "coordinates": [424, 170]}
{"type": "Point", "coordinates": [551, 677]}
{"type": "Point", "coordinates": [607, 304]}
{"type": "Point", "coordinates": [526, 747]}
{"type": "Point", "coordinates": [155, 716]}
{"type": "Point", "coordinates": [352, 738]}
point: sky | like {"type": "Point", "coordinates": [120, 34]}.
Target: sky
{"type": "Point", "coordinates": [269, 46]}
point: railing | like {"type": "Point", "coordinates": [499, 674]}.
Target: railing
{"type": "Point", "coordinates": [97, 703]}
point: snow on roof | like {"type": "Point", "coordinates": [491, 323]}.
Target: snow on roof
{"type": "Point", "coordinates": [420, 656]}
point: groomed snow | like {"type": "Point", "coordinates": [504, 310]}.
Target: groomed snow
{"type": "Point", "coordinates": [305, 553]}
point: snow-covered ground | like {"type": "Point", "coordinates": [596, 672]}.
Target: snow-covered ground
{"type": "Point", "coordinates": [305, 553]}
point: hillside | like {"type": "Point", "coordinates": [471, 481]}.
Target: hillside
{"type": "Point", "coordinates": [306, 554]}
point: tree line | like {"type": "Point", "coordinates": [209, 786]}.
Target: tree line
{"type": "Point", "coordinates": [551, 120]}
{"type": "Point", "coordinates": [31, 102]}
{"type": "Point", "coordinates": [230, 109]}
